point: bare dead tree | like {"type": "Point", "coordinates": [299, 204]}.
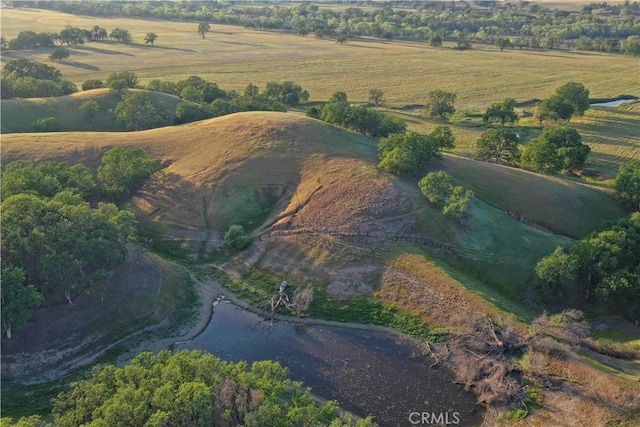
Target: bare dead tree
{"type": "Point", "coordinates": [298, 304]}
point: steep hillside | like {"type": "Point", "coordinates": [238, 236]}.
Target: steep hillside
{"type": "Point", "coordinates": [18, 115]}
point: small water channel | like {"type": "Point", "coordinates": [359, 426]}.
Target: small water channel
{"type": "Point", "coordinates": [615, 103]}
{"type": "Point", "coordinates": [368, 372]}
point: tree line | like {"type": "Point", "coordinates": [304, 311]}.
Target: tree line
{"type": "Point", "coordinates": [60, 234]}
{"type": "Point", "coordinates": [521, 24]}
{"type": "Point", "coordinates": [69, 36]}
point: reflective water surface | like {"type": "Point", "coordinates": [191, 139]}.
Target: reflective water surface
{"type": "Point", "coordinates": [368, 372]}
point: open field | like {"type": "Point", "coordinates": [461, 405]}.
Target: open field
{"type": "Point", "coordinates": [234, 57]}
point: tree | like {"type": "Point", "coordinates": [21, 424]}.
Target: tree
{"type": "Point", "coordinates": [122, 80]}
{"type": "Point", "coordinates": [137, 112]}
{"type": "Point", "coordinates": [440, 188]}
{"type": "Point", "coordinates": [187, 112]}
{"type": "Point", "coordinates": [576, 95]}
{"type": "Point", "coordinates": [90, 109]}
{"type": "Point", "coordinates": [435, 40]}
{"type": "Point", "coordinates": [203, 28]}
{"type": "Point", "coordinates": [503, 43]}
{"type": "Point", "coordinates": [376, 97]}
{"type": "Point", "coordinates": [124, 169]}
{"type": "Point", "coordinates": [60, 54]}
{"type": "Point", "coordinates": [501, 111]}
{"type": "Point", "coordinates": [498, 145]}
{"type": "Point", "coordinates": [444, 136]}
{"type": "Point", "coordinates": [17, 299]}
{"type": "Point", "coordinates": [287, 93]}
{"type": "Point", "coordinates": [236, 238]}
{"type": "Point", "coordinates": [92, 84]}
{"type": "Point", "coordinates": [628, 181]}
{"type": "Point", "coordinates": [558, 148]}
{"type": "Point", "coordinates": [150, 38]}
{"type": "Point", "coordinates": [554, 109]}
{"type": "Point", "coordinates": [631, 46]}
{"type": "Point", "coordinates": [407, 153]}
{"type": "Point", "coordinates": [604, 266]}
{"type": "Point", "coordinates": [121, 35]}
{"type": "Point", "coordinates": [342, 38]}
{"type": "Point", "coordinates": [193, 388]}
{"type": "Point", "coordinates": [440, 103]}
{"type": "Point", "coordinates": [46, 124]}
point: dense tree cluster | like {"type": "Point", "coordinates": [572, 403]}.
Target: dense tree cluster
{"type": "Point", "coordinates": [24, 78]}
{"type": "Point", "coordinates": [137, 112]}
{"type": "Point", "coordinates": [523, 24]}
{"type": "Point", "coordinates": [367, 121]}
{"type": "Point", "coordinates": [193, 388]}
{"type": "Point", "coordinates": [410, 153]}
{"type": "Point", "coordinates": [440, 188]}
{"type": "Point", "coordinates": [54, 242]}
{"type": "Point", "coordinates": [604, 266]}
{"type": "Point", "coordinates": [559, 148]}
{"type": "Point", "coordinates": [568, 100]}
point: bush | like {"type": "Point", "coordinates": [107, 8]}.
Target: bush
{"type": "Point", "coordinates": [92, 84]}
{"type": "Point", "coordinates": [46, 124]}
{"type": "Point", "coordinates": [236, 238]}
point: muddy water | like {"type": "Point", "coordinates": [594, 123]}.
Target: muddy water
{"type": "Point", "coordinates": [368, 372]}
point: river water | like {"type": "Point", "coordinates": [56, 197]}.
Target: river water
{"type": "Point", "coordinates": [367, 372]}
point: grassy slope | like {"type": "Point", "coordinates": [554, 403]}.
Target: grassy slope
{"type": "Point", "coordinates": [19, 114]}
{"type": "Point", "coordinates": [234, 57]}
{"type": "Point", "coordinates": [236, 158]}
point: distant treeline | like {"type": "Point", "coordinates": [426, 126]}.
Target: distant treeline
{"type": "Point", "coordinates": [598, 26]}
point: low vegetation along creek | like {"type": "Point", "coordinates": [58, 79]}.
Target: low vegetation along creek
{"type": "Point", "coordinates": [320, 214]}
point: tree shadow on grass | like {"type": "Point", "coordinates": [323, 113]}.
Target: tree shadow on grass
{"type": "Point", "coordinates": [104, 51]}
{"type": "Point", "coordinates": [82, 65]}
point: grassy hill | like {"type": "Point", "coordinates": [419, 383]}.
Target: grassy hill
{"type": "Point", "coordinates": [313, 191]}
{"type": "Point", "coordinates": [18, 115]}
{"type": "Point", "coordinates": [321, 213]}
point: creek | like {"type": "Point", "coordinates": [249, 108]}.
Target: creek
{"type": "Point", "coordinates": [369, 372]}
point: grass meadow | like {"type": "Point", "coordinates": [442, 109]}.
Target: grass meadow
{"type": "Point", "coordinates": [234, 57]}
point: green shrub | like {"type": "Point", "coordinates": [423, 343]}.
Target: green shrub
{"type": "Point", "coordinates": [236, 238]}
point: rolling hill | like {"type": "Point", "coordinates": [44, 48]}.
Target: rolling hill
{"type": "Point", "coordinates": [321, 213]}
{"type": "Point", "coordinates": [19, 114]}
{"type": "Point", "coordinates": [315, 195]}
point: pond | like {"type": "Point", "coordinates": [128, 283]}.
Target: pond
{"type": "Point", "coordinates": [611, 103]}
{"type": "Point", "coordinates": [367, 372]}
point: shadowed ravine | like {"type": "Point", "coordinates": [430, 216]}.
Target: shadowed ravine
{"type": "Point", "coordinates": [368, 372]}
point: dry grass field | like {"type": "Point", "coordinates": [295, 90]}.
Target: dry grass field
{"type": "Point", "coordinates": [234, 57]}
